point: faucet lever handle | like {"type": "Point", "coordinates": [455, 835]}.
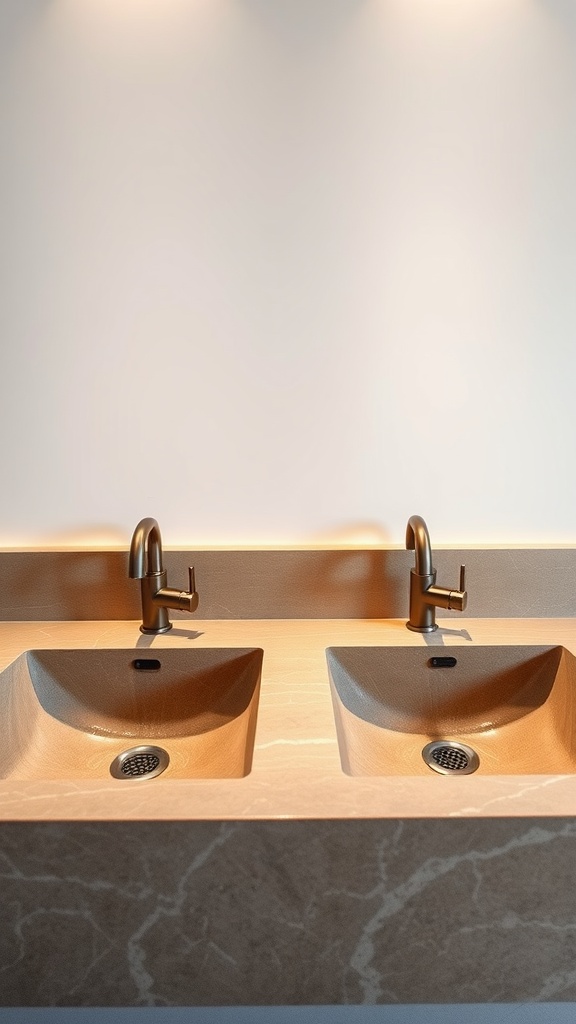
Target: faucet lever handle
{"type": "Point", "coordinates": [462, 586]}
{"type": "Point", "coordinates": [192, 579]}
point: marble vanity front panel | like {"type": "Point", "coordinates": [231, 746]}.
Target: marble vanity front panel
{"type": "Point", "coordinates": [287, 912]}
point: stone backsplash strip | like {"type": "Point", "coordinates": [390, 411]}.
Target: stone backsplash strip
{"type": "Point", "coordinates": [287, 584]}
{"type": "Point", "coordinates": [289, 912]}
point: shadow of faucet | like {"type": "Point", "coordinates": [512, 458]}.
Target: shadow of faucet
{"type": "Point", "coordinates": [437, 639]}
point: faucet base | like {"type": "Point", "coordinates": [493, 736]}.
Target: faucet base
{"type": "Point", "coordinates": [161, 629]}
{"type": "Point", "coordinates": [421, 629]}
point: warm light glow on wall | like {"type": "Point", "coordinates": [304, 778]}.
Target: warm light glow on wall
{"type": "Point", "coordinates": [131, 24]}
{"type": "Point", "coordinates": [334, 239]}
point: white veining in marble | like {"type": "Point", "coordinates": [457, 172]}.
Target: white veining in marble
{"type": "Point", "coordinates": [167, 906]}
{"type": "Point", "coordinates": [394, 901]}
{"type": "Point", "coordinates": [514, 793]}
{"type": "Point", "coordinates": [296, 743]}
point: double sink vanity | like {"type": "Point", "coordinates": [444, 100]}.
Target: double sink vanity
{"type": "Point", "coordinates": [269, 718]}
{"type": "Point", "coordinates": [292, 807]}
{"type": "Point", "coordinates": [265, 719]}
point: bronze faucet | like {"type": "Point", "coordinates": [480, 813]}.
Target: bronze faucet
{"type": "Point", "coordinates": [425, 596]}
{"type": "Point", "coordinates": [146, 565]}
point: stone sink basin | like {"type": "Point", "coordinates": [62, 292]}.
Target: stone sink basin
{"type": "Point", "coordinates": [512, 707]}
{"type": "Point", "coordinates": [89, 714]}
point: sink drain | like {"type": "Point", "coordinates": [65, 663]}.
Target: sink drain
{"type": "Point", "coordinates": [139, 763]}
{"type": "Point", "coordinates": [448, 757]}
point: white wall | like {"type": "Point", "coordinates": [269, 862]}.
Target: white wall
{"type": "Point", "coordinates": [288, 270]}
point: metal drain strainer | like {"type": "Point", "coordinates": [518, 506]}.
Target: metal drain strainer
{"type": "Point", "coordinates": [139, 763]}
{"type": "Point", "coordinates": [449, 757]}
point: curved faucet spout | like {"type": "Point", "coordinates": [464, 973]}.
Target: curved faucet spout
{"type": "Point", "coordinates": [418, 540]}
{"type": "Point", "coordinates": [145, 550]}
{"type": "Point", "coordinates": [425, 596]}
{"type": "Point", "coordinates": [145, 564]}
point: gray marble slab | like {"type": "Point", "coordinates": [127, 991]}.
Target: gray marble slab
{"type": "Point", "coordinates": [168, 914]}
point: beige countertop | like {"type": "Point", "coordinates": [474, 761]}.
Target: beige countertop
{"type": "Point", "coordinates": [296, 769]}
